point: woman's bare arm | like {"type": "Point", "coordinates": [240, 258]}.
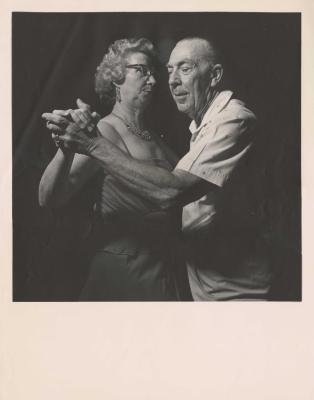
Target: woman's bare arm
{"type": "Point", "coordinates": [69, 171]}
{"type": "Point", "coordinates": [64, 177]}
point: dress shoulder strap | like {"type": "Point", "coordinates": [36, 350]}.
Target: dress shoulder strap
{"type": "Point", "coordinates": [120, 137]}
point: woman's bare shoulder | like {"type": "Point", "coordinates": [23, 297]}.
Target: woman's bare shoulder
{"type": "Point", "coordinates": [108, 130]}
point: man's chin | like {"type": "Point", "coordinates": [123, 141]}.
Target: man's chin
{"type": "Point", "coordinates": [182, 107]}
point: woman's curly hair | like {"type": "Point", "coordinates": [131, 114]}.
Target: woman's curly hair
{"type": "Point", "coordinates": [112, 67]}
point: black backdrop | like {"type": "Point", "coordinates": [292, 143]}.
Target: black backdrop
{"type": "Point", "coordinates": [55, 56]}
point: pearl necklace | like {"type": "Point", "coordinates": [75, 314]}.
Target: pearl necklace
{"type": "Point", "coordinates": [145, 135]}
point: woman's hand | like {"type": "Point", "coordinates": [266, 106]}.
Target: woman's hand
{"type": "Point", "coordinates": [72, 129]}
{"type": "Point", "coordinates": [84, 118]}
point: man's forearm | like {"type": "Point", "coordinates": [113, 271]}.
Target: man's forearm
{"type": "Point", "coordinates": [156, 184]}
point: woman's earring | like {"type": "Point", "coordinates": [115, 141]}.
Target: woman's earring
{"type": "Point", "coordinates": [118, 95]}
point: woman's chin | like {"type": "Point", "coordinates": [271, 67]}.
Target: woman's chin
{"type": "Point", "coordinates": [146, 98]}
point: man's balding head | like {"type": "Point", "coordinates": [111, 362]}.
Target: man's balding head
{"type": "Point", "coordinates": [194, 73]}
{"type": "Point", "coordinates": [203, 48]}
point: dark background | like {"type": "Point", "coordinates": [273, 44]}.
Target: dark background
{"type": "Point", "coordinates": [55, 56]}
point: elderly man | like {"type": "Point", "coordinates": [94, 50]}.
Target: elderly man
{"type": "Point", "coordinates": [222, 260]}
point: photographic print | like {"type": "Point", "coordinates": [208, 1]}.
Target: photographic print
{"type": "Point", "coordinates": [156, 156]}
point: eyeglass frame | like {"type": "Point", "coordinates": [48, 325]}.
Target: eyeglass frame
{"type": "Point", "coordinates": [146, 71]}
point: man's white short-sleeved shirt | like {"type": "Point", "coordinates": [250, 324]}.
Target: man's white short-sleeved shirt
{"type": "Point", "coordinates": [216, 147]}
{"type": "Point", "coordinates": [223, 138]}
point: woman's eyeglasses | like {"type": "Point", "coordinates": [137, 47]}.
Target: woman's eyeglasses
{"type": "Point", "coordinates": [143, 69]}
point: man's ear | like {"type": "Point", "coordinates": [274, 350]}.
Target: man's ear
{"type": "Point", "coordinates": [217, 73]}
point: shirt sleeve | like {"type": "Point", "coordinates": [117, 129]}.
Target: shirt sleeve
{"type": "Point", "coordinates": [219, 147]}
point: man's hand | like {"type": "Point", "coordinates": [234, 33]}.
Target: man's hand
{"type": "Point", "coordinates": [71, 129]}
{"type": "Point", "coordinates": [73, 139]}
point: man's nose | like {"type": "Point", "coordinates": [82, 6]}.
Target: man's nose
{"type": "Point", "coordinates": [174, 78]}
{"type": "Point", "coordinates": [152, 80]}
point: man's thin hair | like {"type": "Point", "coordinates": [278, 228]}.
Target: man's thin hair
{"type": "Point", "coordinates": [214, 54]}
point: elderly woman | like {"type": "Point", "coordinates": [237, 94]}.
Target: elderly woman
{"type": "Point", "coordinates": [136, 256]}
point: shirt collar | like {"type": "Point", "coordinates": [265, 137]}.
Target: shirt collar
{"type": "Point", "coordinates": [216, 106]}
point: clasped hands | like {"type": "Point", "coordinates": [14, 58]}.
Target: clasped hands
{"type": "Point", "coordinates": [72, 130]}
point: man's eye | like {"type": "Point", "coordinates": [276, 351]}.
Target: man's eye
{"type": "Point", "coordinates": [169, 70]}
{"type": "Point", "coordinates": [186, 69]}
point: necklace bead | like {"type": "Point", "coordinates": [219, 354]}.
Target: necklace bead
{"type": "Point", "coordinates": [145, 135]}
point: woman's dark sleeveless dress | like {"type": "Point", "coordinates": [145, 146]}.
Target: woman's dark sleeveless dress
{"type": "Point", "coordinates": [137, 254]}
